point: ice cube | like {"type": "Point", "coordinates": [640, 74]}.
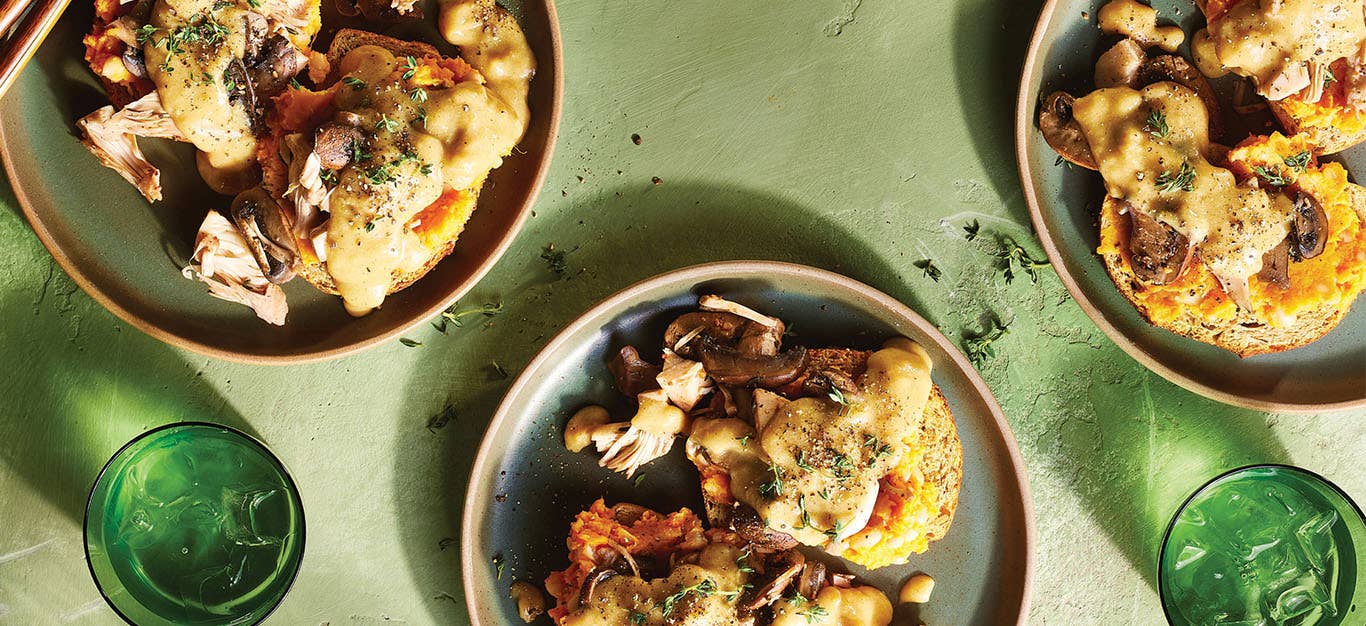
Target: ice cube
{"type": "Point", "coordinates": [138, 529]}
{"type": "Point", "coordinates": [1190, 554]}
{"type": "Point", "coordinates": [1315, 537]}
{"type": "Point", "coordinates": [243, 523]}
{"type": "Point", "coordinates": [1305, 596]}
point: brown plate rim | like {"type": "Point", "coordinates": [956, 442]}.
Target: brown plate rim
{"type": "Point", "coordinates": [73, 268]}
{"type": "Point", "coordinates": [723, 269]}
{"type": "Point", "coordinates": [1024, 124]}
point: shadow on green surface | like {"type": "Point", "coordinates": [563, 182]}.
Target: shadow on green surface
{"type": "Point", "coordinates": [1132, 448]}
{"type": "Point", "coordinates": [990, 40]}
{"type": "Point", "coordinates": [689, 224]}
{"type": "Point", "coordinates": [57, 430]}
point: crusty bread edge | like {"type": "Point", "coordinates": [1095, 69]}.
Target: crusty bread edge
{"type": "Point", "coordinates": [1329, 139]}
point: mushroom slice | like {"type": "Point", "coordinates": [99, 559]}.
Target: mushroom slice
{"type": "Point", "coordinates": [633, 375]}
{"type": "Point", "coordinates": [683, 380]}
{"type": "Point", "coordinates": [335, 143]}
{"type": "Point", "coordinates": [1062, 132]}
{"type": "Point", "coordinates": [625, 447]}
{"type": "Point", "coordinates": [590, 584]}
{"type": "Point", "coordinates": [1172, 68]}
{"type": "Point", "coordinates": [719, 304]}
{"type": "Point", "coordinates": [684, 331]}
{"type": "Point", "coordinates": [1158, 251]}
{"type": "Point", "coordinates": [728, 366]}
{"type": "Point", "coordinates": [773, 589]}
{"type": "Point", "coordinates": [113, 139]}
{"type": "Point", "coordinates": [1309, 229]}
{"type": "Point", "coordinates": [747, 523]}
{"type": "Point", "coordinates": [1276, 265]}
{"type": "Point", "coordinates": [1120, 65]}
{"type": "Point", "coordinates": [258, 218]}
{"type": "Point", "coordinates": [223, 260]}
{"type": "Point", "coordinates": [812, 579]}
{"type": "Point", "coordinates": [762, 336]}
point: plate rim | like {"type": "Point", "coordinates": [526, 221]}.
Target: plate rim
{"type": "Point", "coordinates": [180, 340]}
{"type": "Point", "coordinates": [1024, 118]}
{"type": "Point", "coordinates": [503, 416]}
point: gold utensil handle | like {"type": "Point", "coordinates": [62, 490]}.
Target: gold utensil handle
{"type": "Point", "coordinates": [37, 21]}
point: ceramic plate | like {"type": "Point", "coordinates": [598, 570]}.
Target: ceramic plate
{"type": "Point", "coordinates": [1327, 374]}
{"type": "Point", "coordinates": [526, 488]}
{"type": "Point", "coordinates": [127, 253]}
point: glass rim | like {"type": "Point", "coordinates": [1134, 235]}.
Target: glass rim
{"type": "Point", "coordinates": [1166, 536]}
{"type": "Point", "coordinates": [284, 471]}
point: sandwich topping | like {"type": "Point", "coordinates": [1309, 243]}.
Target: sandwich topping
{"type": "Point", "coordinates": [1161, 171]}
{"type": "Point", "coordinates": [811, 467]}
{"type": "Point", "coordinates": [1284, 46]}
{"type": "Point", "coordinates": [633, 566]}
{"type": "Point", "coordinates": [417, 127]}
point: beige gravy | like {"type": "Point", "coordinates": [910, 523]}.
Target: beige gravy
{"type": "Point", "coordinates": [1265, 39]}
{"type": "Point", "coordinates": [192, 88]}
{"type": "Point", "coordinates": [618, 600]}
{"type": "Point", "coordinates": [450, 141]}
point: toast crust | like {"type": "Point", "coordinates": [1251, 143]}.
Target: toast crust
{"type": "Point", "coordinates": [1328, 139]}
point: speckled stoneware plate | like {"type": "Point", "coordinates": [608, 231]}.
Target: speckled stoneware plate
{"type": "Point", "coordinates": [1325, 375]}
{"type": "Point", "coordinates": [126, 253]}
{"type": "Point", "coordinates": [526, 488]}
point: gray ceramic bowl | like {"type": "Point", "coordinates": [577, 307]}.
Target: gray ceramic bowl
{"type": "Point", "coordinates": [525, 487]}
{"type": "Point", "coordinates": [125, 253]}
{"type": "Point", "coordinates": [1327, 374]}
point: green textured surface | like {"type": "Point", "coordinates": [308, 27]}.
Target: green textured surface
{"type": "Point", "coordinates": [833, 133]}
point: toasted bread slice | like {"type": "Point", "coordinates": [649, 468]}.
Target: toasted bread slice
{"type": "Point", "coordinates": [346, 40]}
{"type": "Point", "coordinates": [932, 474]}
{"type": "Point", "coordinates": [1329, 138]}
{"type": "Point", "coordinates": [1221, 323]}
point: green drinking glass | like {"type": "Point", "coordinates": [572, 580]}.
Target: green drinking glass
{"type": "Point", "coordinates": [1265, 545]}
{"type": "Point", "coordinates": [194, 523]}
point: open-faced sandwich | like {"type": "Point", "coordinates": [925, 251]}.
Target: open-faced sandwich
{"type": "Point", "coordinates": [851, 451]}
{"type": "Point", "coordinates": [1255, 249]}
{"type": "Point", "coordinates": [632, 566]}
{"type": "Point", "coordinates": [200, 71]}
{"type": "Point", "coordinates": [1306, 57]}
{"type": "Point", "coordinates": [360, 184]}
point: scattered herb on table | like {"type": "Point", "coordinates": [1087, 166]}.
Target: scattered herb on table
{"type": "Point", "coordinates": [447, 542]}
{"type": "Point", "coordinates": [931, 270]}
{"type": "Point", "coordinates": [439, 421]}
{"type": "Point", "coordinates": [1015, 256]}
{"type": "Point", "coordinates": [498, 370]}
{"type": "Point", "coordinates": [980, 348]}
{"type": "Point", "coordinates": [555, 259]}
{"type": "Point", "coordinates": [971, 229]}
{"type": "Point", "coordinates": [455, 316]}
{"type": "Point", "coordinates": [411, 343]}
